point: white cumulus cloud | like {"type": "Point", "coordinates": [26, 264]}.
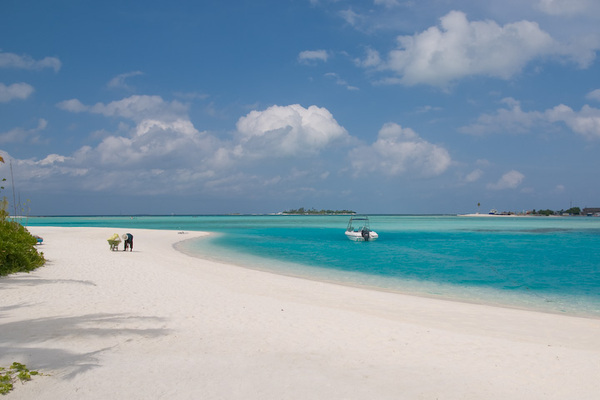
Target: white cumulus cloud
{"type": "Point", "coordinates": [565, 7]}
{"type": "Point", "coordinates": [136, 108]}
{"type": "Point", "coordinates": [511, 119]}
{"type": "Point", "coordinates": [313, 55]}
{"type": "Point", "coordinates": [281, 131]}
{"type": "Point", "coordinates": [458, 48]}
{"type": "Point", "coordinates": [474, 176]}
{"type": "Point", "coordinates": [19, 91]}
{"type": "Point", "coordinates": [399, 151]}
{"type": "Point", "coordinates": [11, 60]}
{"type": "Point", "coordinates": [371, 60]}
{"type": "Point", "coordinates": [594, 95]}
{"type": "Point", "coordinates": [119, 81]}
{"type": "Point", "coordinates": [20, 135]}
{"type": "Point", "coordinates": [155, 143]}
{"type": "Point", "coordinates": [161, 152]}
{"type": "Point", "coordinates": [510, 180]}
{"type": "Point", "coordinates": [72, 105]}
{"type": "Point", "coordinates": [164, 152]}
{"type": "Point", "coordinates": [585, 122]}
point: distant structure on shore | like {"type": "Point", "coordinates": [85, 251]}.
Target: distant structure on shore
{"type": "Point", "coordinates": [573, 211]}
{"type": "Point", "coordinates": [591, 212]}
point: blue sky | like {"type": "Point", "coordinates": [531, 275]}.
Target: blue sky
{"type": "Point", "coordinates": [382, 106]}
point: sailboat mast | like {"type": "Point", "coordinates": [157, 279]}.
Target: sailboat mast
{"type": "Point", "coordinates": [12, 179]}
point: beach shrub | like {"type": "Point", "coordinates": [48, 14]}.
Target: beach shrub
{"type": "Point", "coordinates": [17, 247]}
{"type": "Point", "coordinates": [15, 371]}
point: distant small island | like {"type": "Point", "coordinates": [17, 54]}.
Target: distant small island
{"type": "Point", "coordinates": [313, 211]}
{"type": "Point", "coordinates": [573, 211]}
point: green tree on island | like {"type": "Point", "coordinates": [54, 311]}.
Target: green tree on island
{"type": "Point", "coordinates": [313, 211]}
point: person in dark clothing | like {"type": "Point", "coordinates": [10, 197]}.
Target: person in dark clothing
{"type": "Point", "coordinates": [128, 242]}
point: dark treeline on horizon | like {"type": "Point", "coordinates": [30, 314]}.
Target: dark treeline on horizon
{"type": "Point", "coordinates": [312, 211]}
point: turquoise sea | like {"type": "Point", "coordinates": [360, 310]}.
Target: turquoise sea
{"type": "Point", "coordinates": [548, 264]}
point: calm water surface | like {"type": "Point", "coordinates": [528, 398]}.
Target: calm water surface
{"type": "Point", "coordinates": [550, 264]}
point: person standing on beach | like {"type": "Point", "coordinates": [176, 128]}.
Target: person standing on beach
{"type": "Point", "coordinates": [128, 242]}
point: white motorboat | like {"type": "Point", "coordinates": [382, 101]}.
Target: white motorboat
{"type": "Point", "coordinates": [359, 230]}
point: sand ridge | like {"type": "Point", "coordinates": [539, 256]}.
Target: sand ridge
{"type": "Point", "coordinates": [156, 324]}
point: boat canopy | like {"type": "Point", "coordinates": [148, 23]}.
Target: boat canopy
{"type": "Point", "coordinates": [358, 223]}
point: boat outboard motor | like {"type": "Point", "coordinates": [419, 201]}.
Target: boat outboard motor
{"type": "Point", "coordinates": [365, 234]}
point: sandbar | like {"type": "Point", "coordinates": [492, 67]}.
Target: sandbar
{"type": "Point", "coordinates": [155, 323]}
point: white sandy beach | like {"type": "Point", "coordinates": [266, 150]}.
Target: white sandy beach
{"type": "Point", "coordinates": [157, 324]}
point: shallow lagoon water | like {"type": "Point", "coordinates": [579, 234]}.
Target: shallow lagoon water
{"type": "Point", "coordinates": [544, 263]}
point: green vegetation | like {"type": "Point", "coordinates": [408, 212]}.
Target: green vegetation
{"type": "Point", "coordinates": [574, 211]}
{"type": "Point", "coordinates": [16, 371]}
{"type": "Point", "coordinates": [17, 245]}
{"type": "Point", "coordinates": [312, 211]}
{"type": "Point", "coordinates": [544, 212]}
{"type": "Point", "coordinates": [570, 211]}
{"type": "Point", "coordinates": [17, 248]}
